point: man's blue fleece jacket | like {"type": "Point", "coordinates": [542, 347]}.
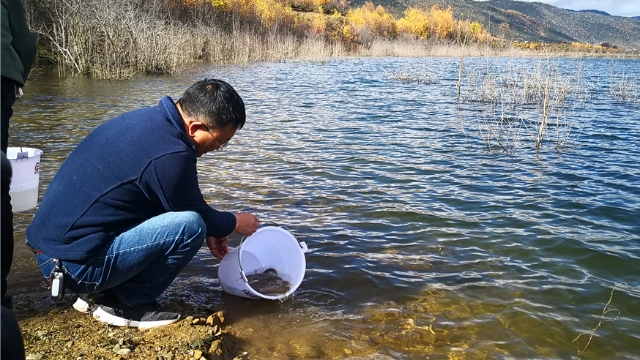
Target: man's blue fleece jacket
{"type": "Point", "coordinates": [129, 169]}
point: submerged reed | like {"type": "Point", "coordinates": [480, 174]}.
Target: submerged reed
{"type": "Point", "coordinates": [623, 87]}
{"type": "Point", "coordinates": [603, 318]}
{"type": "Point", "coordinates": [522, 103]}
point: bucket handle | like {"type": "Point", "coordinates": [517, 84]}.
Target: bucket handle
{"type": "Point", "coordinates": [302, 245]}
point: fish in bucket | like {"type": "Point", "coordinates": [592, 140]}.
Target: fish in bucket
{"type": "Point", "coordinates": [270, 264]}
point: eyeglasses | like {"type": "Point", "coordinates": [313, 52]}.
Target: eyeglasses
{"type": "Point", "coordinates": [220, 146]}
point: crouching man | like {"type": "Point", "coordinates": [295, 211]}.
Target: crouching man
{"type": "Point", "coordinates": [124, 214]}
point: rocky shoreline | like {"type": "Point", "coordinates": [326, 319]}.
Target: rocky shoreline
{"type": "Point", "coordinates": [57, 331]}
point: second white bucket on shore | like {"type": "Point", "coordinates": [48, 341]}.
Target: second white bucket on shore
{"type": "Point", "coordinates": [271, 247]}
{"type": "Point", "coordinates": [25, 180]}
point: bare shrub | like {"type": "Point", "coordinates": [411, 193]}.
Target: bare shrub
{"type": "Point", "coordinates": [116, 39]}
{"type": "Point", "coordinates": [112, 39]}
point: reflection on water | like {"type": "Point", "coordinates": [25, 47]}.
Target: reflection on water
{"type": "Point", "coordinates": [420, 241]}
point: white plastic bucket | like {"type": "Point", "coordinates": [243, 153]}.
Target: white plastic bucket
{"type": "Point", "coordinates": [271, 247]}
{"type": "Point", "coordinates": [25, 165]}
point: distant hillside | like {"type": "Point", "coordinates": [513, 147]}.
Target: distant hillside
{"type": "Point", "coordinates": [586, 27]}
{"type": "Point", "coordinates": [533, 21]}
{"type": "Point", "coordinates": [595, 12]}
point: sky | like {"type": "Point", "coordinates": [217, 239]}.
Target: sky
{"type": "Point", "coordinates": [613, 7]}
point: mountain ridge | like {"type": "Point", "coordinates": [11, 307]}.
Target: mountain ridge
{"type": "Point", "coordinates": [533, 21]}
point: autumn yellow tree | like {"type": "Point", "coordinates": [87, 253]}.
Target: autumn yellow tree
{"type": "Point", "coordinates": [441, 23]}
{"type": "Point", "coordinates": [415, 22]}
{"type": "Point", "coordinates": [370, 17]}
{"type": "Point", "coordinates": [319, 23]}
{"type": "Point", "coordinates": [265, 13]}
{"type": "Point", "coordinates": [471, 32]}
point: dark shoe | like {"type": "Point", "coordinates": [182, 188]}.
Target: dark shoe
{"type": "Point", "coordinates": [142, 316]}
{"type": "Point", "coordinates": [87, 303]}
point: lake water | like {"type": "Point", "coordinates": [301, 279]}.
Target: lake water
{"type": "Point", "coordinates": [423, 244]}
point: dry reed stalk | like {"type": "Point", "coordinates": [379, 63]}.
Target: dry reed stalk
{"type": "Point", "coordinates": [316, 48]}
{"type": "Point", "coordinates": [605, 311]}
{"type": "Point", "coordinates": [460, 71]}
{"type": "Point", "coordinates": [517, 102]}
{"type": "Point", "coordinates": [623, 87]}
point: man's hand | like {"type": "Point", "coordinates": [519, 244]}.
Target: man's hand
{"type": "Point", "coordinates": [246, 224]}
{"type": "Point", "coordinates": [218, 247]}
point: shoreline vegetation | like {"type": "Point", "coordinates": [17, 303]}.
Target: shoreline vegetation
{"type": "Point", "coordinates": [118, 39]}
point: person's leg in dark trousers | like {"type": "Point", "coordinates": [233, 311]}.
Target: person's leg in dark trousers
{"type": "Point", "coordinates": [6, 222]}
{"type": "Point", "coordinates": [12, 343]}
{"type": "Point", "coordinates": [8, 95]}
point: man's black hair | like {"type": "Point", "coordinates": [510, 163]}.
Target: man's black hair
{"type": "Point", "coordinates": [215, 103]}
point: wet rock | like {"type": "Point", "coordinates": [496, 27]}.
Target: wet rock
{"type": "Point", "coordinates": [418, 307]}
{"type": "Point", "coordinates": [216, 348]}
{"type": "Point", "coordinates": [241, 356]}
{"type": "Point", "coordinates": [218, 318]}
{"type": "Point", "coordinates": [387, 315]}
{"type": "Point", "coordinates": [217, 331]}
{"type": "Point", "coordinates": [123, 352]}
{"type": "Point", "coordinates": [165, 356]}
{"type": "Point", "coordinates": [409, 324]}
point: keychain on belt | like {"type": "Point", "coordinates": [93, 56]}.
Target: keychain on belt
{"type": "Point", "coordinates": [57, 280]}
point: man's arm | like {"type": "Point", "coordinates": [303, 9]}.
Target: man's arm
{"type": "Point", "coordinates": [171, 183]}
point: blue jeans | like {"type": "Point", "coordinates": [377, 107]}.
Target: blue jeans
{"type": "Point", "coordinates": [141, 263]}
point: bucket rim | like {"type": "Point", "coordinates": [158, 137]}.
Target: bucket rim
{"type": "Point", "coordinates": [18, 149]}
{"type": "Point", "coordinates": [265, 227]}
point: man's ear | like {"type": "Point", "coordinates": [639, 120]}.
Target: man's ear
{"type": "Point", "coordinates": [193, 127]}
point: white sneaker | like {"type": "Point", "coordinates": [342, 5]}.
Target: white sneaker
{"type": "Point", "coordinates": [87, 303]}
{"type": "Point", "coordinates": [143, 316]}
